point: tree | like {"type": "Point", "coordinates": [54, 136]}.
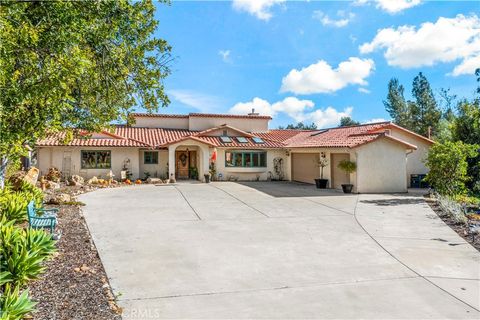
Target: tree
{"type": "Point", "coordinates": [396, 105]}
{"type": "Point", "coordinates": [424, 111]}
{"type": "Point", "coordinates": [300, 126]}
{"type": "Point", "coordinates": [466, 128]}
{"type": "Point", "coordinates": [447, 164]}
{"type": "Point", "coordinates": [68, 65]}
{"type": "Point", "coordinates": [347, 121]}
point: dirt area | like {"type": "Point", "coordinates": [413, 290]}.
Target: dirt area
{"type": "Point", "coordinates": [460, 228]}
{"type": "Point", "coordinates": [75, 285]}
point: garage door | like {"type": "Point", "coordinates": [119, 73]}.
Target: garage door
{"type": "Point", "coordinates": [305, 167]}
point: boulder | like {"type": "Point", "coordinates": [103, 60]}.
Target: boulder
{"type": "Point", "coordinates": [93, 180]}
{"type": "Point", "coordinates": [60, 198]}
{"type": "Point", "coordinates": [76, 180]}
{"type": "Point", "coordinates": [16, 179]}
{"type": "Point", "coordinates": [32, 176]}
{"type": "Point", "coordinates": [52, 185]}
{"type": "Point", "coordinates": [154, 180]}
{"type": "Point", "coordinates": [53, 175]}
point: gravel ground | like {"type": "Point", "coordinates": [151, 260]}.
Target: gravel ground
{"type": "Point", "coordinates": [459, 228]}
{"type": "Point", "coordinates": [75, 285]}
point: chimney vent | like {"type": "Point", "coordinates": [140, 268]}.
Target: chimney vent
{"type": "Point", "coordinates": [253, 113]}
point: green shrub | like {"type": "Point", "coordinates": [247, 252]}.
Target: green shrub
{"type": "Point", "coordinates": [13, 305]}
{"type": "Point", "coordinates": [13, 204]}
{"type": "Point", "coordinates": [347, 166]}
{"type": "Point", "coordinates": [13, 207]}
{"type": "Point", "coordinates": [22, 253]}
{"type": "Point", "coordinates": [447, 164]}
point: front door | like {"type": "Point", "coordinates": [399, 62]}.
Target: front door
{"type": "Point", "coordinates": [339, 177]}
{"type": "Point", "coordinates": [181, 164]}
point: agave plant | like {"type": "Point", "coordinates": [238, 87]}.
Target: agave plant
{"type": "Point", "coordinates": [13, 305]}
{"type": "Point", "coordinates": [22, 254]}
{"type": "Point", "coordinates": [13, 207]}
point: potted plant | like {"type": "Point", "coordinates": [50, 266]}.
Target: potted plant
{"type": "Point", "coordinates": [322, 163]}
{"type": "Point", "coordinates": [349, 167]}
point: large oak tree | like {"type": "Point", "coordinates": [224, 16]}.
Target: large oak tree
{"type": "Point", "coordinates": [67, 65]}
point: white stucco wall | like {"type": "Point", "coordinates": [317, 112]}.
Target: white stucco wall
{"type": "Point", "coordinates": [159, 170]}
{"type": "Point", "coordinates": [251, 174]}
{"type": "Point", "coordinates": [381, 167]}
{"type": "Point", "coordinates": [415, 164]}
{"type": "Point", "coordinates": [53, 157]}
{"type": "Point", "coordinates": [245, 124]}
{"type": "Point", "coordinates": [161, 122]}
{"type": "Point", "coordinates": [327, 171]}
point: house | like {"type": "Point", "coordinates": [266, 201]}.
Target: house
{"type": "Point", "coordinates": [242, 147]}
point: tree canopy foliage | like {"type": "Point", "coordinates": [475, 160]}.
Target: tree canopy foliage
{"type": "Point", "coordinates": [300, 126]}
{"type": "Point", "coordinates": [454, 161]}
{"type": "Point", "coordinates": [76, 65]}
{"type": "Point", "coordinates": [347, 121]}
{"type": "Point", "coordinates": [417, 115]}
{"type": "Point", "coordinates": [448, 166]}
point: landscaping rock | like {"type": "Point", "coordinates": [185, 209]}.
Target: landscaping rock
{"type": "Point", "coordinates": [154, 180]}
{"type": "Point", "coordinates": [32, 176]}
{"type": "Point", "coordinates": [53, 175]}
{"type": "Point", "coordinates": [93, 180]}
{"type": "Point", "coordinates": [76, 180]}
{"type": "Point", "coordinates": [52, 185]}
{"type": "Point", "coordinates": [16, 179]}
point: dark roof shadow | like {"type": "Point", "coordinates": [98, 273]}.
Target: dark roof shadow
{"type": "Point", "coordinates": [283, 189]}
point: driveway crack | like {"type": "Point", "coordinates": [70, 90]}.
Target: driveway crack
{"type": "Point", "coordinates": [188, 202]}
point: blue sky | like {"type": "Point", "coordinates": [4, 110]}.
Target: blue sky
{"type": "Point", "coordinates": [314, 61]}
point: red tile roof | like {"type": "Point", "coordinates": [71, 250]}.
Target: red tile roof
{"type": "Point", "coordinates": [342, 137]}
{"type": "Point", "coordinates": [158, 115]}
{"type": "Point", "coordinates": [56, 139]}
{"type": "Point", "coordinates": [206, 115]}
{"type": "Point", "coordinates": [281, 135]}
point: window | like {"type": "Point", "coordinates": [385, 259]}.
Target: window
{"type": "Point", "coordinates": [96, 159]}
{"type": "Point", "coordinates": [258, 140]}
{"type": "Point", "coordinates": [226, 139]}
{"type": "Point", "coordinates": [246, 159]}
{"type": "Point", "coordinates": [150, 157]}
{"type": "Point", "coordinates": [242, 139]}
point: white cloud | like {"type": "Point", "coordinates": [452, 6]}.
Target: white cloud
{"type": "Point", "coordinates": [468, 66]}
{"type": "Point", "coordinates": [344, 20]}
{"type": "Point", "coordinates": [364, 90]}
{"type": "Point", "coordinates": [200, 101]}
{"type": "Point", "coordinates": [446, 40]}
{"type": "Point", "coordinates": [225, 54]}
{"type": "Point", "coordinates": [320, 77]}
{"type": "Point", "coordinates": [257, 8]}
{"type": "Point", "coordinates": [390, 6]}
{"type": "Point", "coordinates": [328, 117]}
{"type": "Point", "coordinates": [396, 6]}
{"type": "Point", "coordinates": [298, 110]}
{"type": "Point", "coordinates": [375, 120]}
{"type": "Point", "coordinates": [261, 106]}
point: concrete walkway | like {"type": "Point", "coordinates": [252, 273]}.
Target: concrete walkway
{"type": "Point", "coordinates": [279, 250]}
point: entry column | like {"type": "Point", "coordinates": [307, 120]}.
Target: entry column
{"type": "Point", "coordinates": [171, 162]}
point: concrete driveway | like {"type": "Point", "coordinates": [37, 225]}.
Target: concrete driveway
{"type": "Point", "coordinates": [279, 250]}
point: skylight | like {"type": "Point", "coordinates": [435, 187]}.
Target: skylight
{"type": "Point", "coordinates": [242, 139]}
{"type": "Point", "coordinates": [258, 140]}
{"type": "Point", "coordinates": [225, 139]}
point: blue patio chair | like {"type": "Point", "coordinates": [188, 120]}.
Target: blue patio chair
{"type": "Point", "coordinates": [41, 218]}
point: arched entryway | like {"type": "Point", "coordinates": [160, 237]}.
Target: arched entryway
{"type": "Point", "coordinates": [184, 156]}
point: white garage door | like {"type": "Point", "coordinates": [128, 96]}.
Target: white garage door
{"type": "Point", "coordinates": [305, 167]}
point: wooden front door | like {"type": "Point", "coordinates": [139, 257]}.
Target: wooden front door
{"type": "Point", "coordinates": [181, 164]}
